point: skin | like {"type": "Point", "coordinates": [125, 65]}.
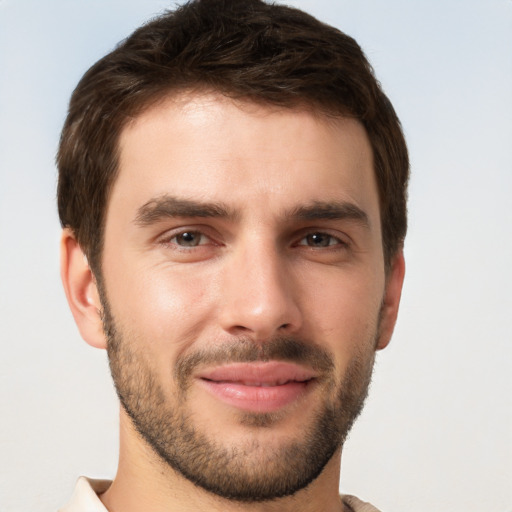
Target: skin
{"type": "Point", "coordinates": [257, 273]}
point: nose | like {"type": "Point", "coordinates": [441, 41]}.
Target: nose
{"type": "Point", "coordinates": [259, 296]}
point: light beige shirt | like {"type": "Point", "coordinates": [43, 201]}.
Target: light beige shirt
{"type": "Point", "coordinates": [85, 498]}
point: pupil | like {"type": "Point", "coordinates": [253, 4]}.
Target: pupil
{"type": "Point", "coordinates": [188, 238]}
{"type": "Point", "coordinates": [319, 240]}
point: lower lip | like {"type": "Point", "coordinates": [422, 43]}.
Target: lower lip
{"type": "Point", "coordinates": [256, 398]}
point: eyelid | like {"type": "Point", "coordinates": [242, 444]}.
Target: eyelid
{"type": "Point", "coordinates": [168, 236]}
{"type": "Point", "coordinates": [201, 238]}
{"type": "Point", "coordinates": [214, 238]}
{"type": "Point", "coordinates": [342, 238]}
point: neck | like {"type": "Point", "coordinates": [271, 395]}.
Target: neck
{"type": "Point", "coordinates": [144, 482]}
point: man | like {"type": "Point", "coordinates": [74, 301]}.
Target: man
{"type": "Point", "coordinates": [232, 186]}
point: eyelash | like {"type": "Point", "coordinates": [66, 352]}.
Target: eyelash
{"type": "Point", "coordinates": [170, 240]}
{"type": "Point", "coordinates": [339, 243]}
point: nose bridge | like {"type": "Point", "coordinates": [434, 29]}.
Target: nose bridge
{"type": "Point", "coordinates": [258, 292]}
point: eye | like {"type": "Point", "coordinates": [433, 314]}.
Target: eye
{"type": "Point", "coordinates": [189, 244]}
{"type": "Point", "coordinates": [189, 239]}
{"type": "Point", "coordinates": [320, 239]}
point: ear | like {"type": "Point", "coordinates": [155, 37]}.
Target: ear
{"type": "Point", "coordinates": [391, 302]}
{"type": "Point", "coordinates": [81, 290]}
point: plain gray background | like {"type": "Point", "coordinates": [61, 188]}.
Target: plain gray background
{"type": "Point", "coordinates": [436, 434]}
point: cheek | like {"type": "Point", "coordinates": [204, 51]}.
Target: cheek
{"type": "Point", "coordinates": [345, 312]}
{"type": "Point", "coordinates": [161, 305]}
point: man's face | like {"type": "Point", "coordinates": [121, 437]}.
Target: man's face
{"type": "Point", "coordinates": [243, 283]}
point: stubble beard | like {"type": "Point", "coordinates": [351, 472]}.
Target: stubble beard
{"type": "Point", "coordinates": [249, 472]}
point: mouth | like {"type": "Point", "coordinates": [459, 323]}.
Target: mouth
{"type": "Point", "coordinates": [258, 387]}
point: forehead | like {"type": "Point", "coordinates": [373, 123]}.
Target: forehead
{"type": "Point", "coordinates": [208, 147]}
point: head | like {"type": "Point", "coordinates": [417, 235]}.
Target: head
{"type": "Point", "coordinates": [236, 180]}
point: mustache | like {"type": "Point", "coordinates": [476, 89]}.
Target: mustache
{"type": "Point", "coordinates": [245, 350]}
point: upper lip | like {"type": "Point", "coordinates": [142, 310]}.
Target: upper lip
{"type": "Point", "coordinates": [271, 373]}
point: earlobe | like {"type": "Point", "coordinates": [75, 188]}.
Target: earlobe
{"type": "Point", "coordinates": [391, 302]}
{"type": "Point", "coordinates": [81, 290]}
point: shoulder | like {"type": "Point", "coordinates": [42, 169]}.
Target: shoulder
{"type": "Point", "coordinates": [354, 504]}
{"type": "Point", "coordinates": [85, 496]}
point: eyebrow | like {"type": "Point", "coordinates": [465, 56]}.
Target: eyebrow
{"type": "Point", "coordinates": [331, 210]}
{"type": "Point", "coordinates": [167, 206]}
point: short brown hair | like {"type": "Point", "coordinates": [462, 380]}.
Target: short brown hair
{"type": "Point", "coordinates": [247, 49]}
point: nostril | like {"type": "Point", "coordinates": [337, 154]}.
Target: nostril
{"type": "Point", "coordinates": [240, 328]}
